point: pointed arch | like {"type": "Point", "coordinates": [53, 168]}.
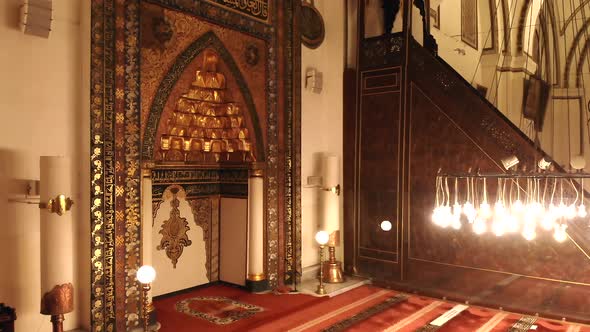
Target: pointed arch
{"type": "Point", "coordinates": [506, 27]}
{"type": "Point", "coordinates": [573, 15]}
{"type": "Point", "coordinates": [521, 25]}
{"type": "Point", "coordinates": [549, 12]}
{"type": "Point", "coordinates": [581, 61]}
{"type": "Point", "coordinates": [207, 40]}
{"type": "Point", "coordinates": [582, 33]}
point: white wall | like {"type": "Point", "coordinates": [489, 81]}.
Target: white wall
{"type": "Point", "coordinates": [191, 267]}
{"type": "Point", "coordinates": [42, 114]}
{"type": "Point", "coordinates": [321, 123]}
{"type": "Point", "coordinates": [448, 38]}
{"type": "Point", "coordinates": [233, 240]}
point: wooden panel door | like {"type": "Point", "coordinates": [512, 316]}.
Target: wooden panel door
{"type": "Point", "coordinates": [378, 165]}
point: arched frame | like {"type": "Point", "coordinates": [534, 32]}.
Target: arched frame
{"type": "Point", "coordinates": [116, 147]}
{"type": "Point", "coordinates": [208, 40]}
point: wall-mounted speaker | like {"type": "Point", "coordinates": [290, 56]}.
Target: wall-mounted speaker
{"type": "Point", "coordinates": [535, 98]}
{"type": "Point", "coordinates": [36, 16]}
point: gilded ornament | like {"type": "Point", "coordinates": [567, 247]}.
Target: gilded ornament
{"type": "Point", "coordinates": [59, 205]}
{"type": "Point", "coordinates": [204, 124]}
{"type": "Point", "coordinates": [174, 231]}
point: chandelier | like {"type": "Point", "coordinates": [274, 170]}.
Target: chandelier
{"type": "Point", "coordinates": [506, 203]}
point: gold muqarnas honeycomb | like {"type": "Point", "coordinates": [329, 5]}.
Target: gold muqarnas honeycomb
{"type": "Point", "coordinates": [204, 127]}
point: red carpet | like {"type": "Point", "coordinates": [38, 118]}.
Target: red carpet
{"type": "Point", "coordinates": [367, 308]}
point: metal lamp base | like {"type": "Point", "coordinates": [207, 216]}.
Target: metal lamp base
{"type": "Point", "coordinates": [321, 290]}
{"type": "Point", "coordinates": [57, 323]}
{"type": "Point", "coordinates": [333, 272]}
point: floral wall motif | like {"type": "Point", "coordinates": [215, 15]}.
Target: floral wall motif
{"type": "Point", "coordinates": [182, 217]}
{"type": "Point", "coordinates": [174, 230]}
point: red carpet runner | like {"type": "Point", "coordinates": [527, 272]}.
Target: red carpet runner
{"type": "Point", "coordinates": [367, 308]}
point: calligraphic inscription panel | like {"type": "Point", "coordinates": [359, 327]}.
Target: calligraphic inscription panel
{"type": "Point", "coordinates": [257, 9]}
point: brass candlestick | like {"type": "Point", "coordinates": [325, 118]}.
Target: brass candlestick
{"type": "Point", "coordinates": [145, 275]}
{"type": "Point", "coordinates": [321, 290]}
{"type": "Point", "coordinates": [146, 304]}
{"type": "Point", "coordinates": [333, 268]}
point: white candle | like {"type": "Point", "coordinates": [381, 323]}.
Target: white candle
{"type": "Point", "coordinates": [255, 227]}
{"type": "Point", "coordinates": [331, 206]}
{"type": "Point", "coordinates": [147, 220]}
{"type": "Point", "coordinates": [146, 223]}
{"type": "Point", "coordinates": [57, 264]}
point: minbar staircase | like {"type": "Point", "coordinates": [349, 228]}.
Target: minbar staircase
{"type": "Point", "coordinates": [407, 114]}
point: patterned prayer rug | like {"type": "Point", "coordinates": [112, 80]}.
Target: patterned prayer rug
{"type": "Point", "coordinates": [220, 308]}
{"type": "Point", "coordinates": [217, 309]}
{"type": "Point", "coordinates": [366, 314]}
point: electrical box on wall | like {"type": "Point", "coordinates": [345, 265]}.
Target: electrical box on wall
{"type": "Point", "coordinates": [313, 80]}
{"type": "Point", "coordinates": [36, 17]}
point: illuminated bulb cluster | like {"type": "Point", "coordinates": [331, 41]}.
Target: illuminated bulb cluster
{"type": "Point", "coordinates": [524, 207]}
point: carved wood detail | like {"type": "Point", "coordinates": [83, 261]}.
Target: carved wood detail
{"type": "Point", "coordinates": [438, 120]}
{"type": "Point", "coordinates": [381, 51]}
{"type": "Point", "coordinates": [202, 212]}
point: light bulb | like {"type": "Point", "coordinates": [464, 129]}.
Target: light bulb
{"type": "Point", "coordinates": [498, 227]}
{"type": "Point", "coordinates": [530, 218]}
{"type": "Point", "coordinates": [538, 208]}
{"type": "Point", "coordinates": [485, 211]}
{"type": "Point", "coordinates": [479, 226]}
{"type": "Point", "coordinates": [499, 208]}
{"type": "Point", "coordinates": [554, 211]}
{"type": "Point", "coordinates": [547, 222]}
{"type": "Point", "coordinates": [517, 207]}
{"type": "Point", "coordinates": [456, 222]}
{"type": "Point", "coordinates": [582, 213]}
{"type": "Point", "coordinates": [322, 237]}
{"type": "Point", "coordinates": [386, 225]}
{"type": "Point", "coordinates": [512, 225]}
{"type": "Point", "coordinates": [562, 210]}
{"type": "Point", "coordinates": [560, 234]}
{"type": "Point", "coordinates": [529, 233]}
{"type": "Point", "coordinates": [446, 216]}
{"type": "Point", "coordinates": [469, 211]}
{"type": "Point", "coordinates": [436, 214]}
{"type": "Point", "coordinates": [146, 274]}
{"type": "Point", "coordinates": [570, 211]}
{"type": "Point", "coordinates": [456, 216]}
{"type": "Point", "coordinates": [457, 210]}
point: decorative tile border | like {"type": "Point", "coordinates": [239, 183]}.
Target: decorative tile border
{"type": "Point", "coordinates": [115, 149]}
{"type": "Point", "coordinates": [201, 182]}
{"type": "Point", "coordinates": [221, 16]}
{"type": "Point", "coordinates": [131, 173]}
{"type": "Point", "coordinates": [102, 166]}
